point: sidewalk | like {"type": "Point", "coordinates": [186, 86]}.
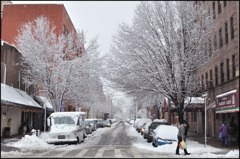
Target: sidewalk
{"type": "Point", "coordinates": [211, 141]}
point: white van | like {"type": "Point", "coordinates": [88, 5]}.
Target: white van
{"type": "Point", "coordinates": [66, 127]}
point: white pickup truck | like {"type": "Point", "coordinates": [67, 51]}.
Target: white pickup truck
{"type": "Point", "coordinates": [66, 127]}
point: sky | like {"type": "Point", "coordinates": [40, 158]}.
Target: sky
{"type": "Point", "coordinates": [98, 18]}
{"type": "Point", "coordinates": [197, 150]}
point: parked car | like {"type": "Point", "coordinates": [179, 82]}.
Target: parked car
{"type": "Point", "coordinates": [106, 123]}
{"type": "Point", "coordinates": [99, 123]}
{"type": "Point", "coordinates": [164, 134]}
{"type": "Point", "coordinates": [66, 127]}
{"type": "Point", "coordinates": [93, 123]}
{"type": "Point", "coordinates": [136, 122]}
{"type": "Point", "coordinates": [88, 127]}
{"type": "Point", "coordinates": [145, 129]}
{"type": "Point", "coordinates": [140, 123]}
{"type": "Point", "coordinates": [153, 126]}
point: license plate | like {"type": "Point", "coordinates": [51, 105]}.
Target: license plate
{"type": "Point", "coordinates": [61, 136]}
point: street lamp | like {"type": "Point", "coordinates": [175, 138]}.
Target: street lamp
{"type": "Point", "coordinates": [205, 98]}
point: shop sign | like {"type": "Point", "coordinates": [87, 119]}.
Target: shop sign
{"type": "Point", "coordinates": [227, 103]}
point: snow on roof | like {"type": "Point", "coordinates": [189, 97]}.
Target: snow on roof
{"type": "Point", "coordinates": [194, 100]}
{"type": "Point", "coordinates": [68, 113]}
{"type": "Point", "coordinates": [227, 93]}
{"type": "Point", "coordinates": [8, 44]}
{"type": "Point", "coordinates": [17, 96]}
{"type": "Point", "coordinates": [48, 104]}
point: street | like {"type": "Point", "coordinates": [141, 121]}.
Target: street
{"type": "Point", "coordinates": [113, 143]}
{"type": "Point", "coordinates": [121, 140]}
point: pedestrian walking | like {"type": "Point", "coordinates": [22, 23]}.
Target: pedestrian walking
{"type": "Point", "coordinates": [182, 133]}
{"type": "Point", "coordinates": [224, 130]}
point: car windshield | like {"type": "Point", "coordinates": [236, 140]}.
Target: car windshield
{"type": "Point", "coordinates": [63, 120]}
{"type": "Point", "coordinates": [106, 122]}
{"type": "Point", "coordinates": [154, 125]}
{"type": "Point", "coordinates": [99, 121]}
{"type": "Point", "coordinates": [91, 121]}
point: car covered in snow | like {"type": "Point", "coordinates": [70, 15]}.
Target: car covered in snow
{"type": "Point", "coordinates": [145, 129]}
{"type": "Point", "coordinates": [100, 123]}
{"type": "Point", "coordinates": [88, 127]}
{"type": "Point", "coordinates": [66, 127]}
{"type": "Point", "coordinates": [164, 134]}
{"type": "Point", "coordinates": [93, 123]}
{"type": "Point", "coordinates": [141, 122]}
{"type": "Point", "coordinates": [153, 126]}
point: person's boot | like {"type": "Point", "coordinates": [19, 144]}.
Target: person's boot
{"type": "Point", "coordinates": [186, 153]}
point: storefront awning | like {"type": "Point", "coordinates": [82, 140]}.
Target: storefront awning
{"type": "Point", "coordinates": [227, 102]}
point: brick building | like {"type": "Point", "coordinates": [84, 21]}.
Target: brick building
{"type": "Point", "coordinates": [220, 76]}
{"type": "Point", "coordinates": [15, 15]}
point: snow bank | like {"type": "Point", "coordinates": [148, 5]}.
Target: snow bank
{"type": "Point", "coordinates": [34, 143]}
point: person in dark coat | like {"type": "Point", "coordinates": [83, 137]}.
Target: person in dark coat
{"type": "Point", "coordinates": [182, 133]}
{"type": "Point", "coordinates": [224, 130]}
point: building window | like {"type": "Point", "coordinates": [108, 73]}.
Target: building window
{"type": "Point", "coordinates": [216, 76]}
{"type": "Point", "coordinates": [225, 3]}
{"type": "Point", "coordinates": [232, 28]}
{"type": "Point", "coordinates": [206, 80]}
{"type": "Point", "coordinates": [228, 71]}
{"type": "Point", "coordinates": [210, 48]}
{"type": "Point", "coordinates": [219, 7]}
{"type": "Point", "coordinates": [215, 42]}
{"type": "Point", "coordinates": [211, 81]}
{"type": "Point", "coordinates": [233, 66]}
{"type": "Point", "coordinates": [220, 38]}
{"type": "Point", "coordinates": [226, 33]}
{"type": "Point", "coordinates": [214, 14]}
{"type": "Point", "coordinates": [202, 82]}
{"type": "Point", "coordinates": [222, 72]}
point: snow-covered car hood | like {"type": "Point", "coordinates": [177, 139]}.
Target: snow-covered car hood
{"type": "Point", "coordinates": [63, 128]}
{"type": "Point", "coordinates": [166, 132]}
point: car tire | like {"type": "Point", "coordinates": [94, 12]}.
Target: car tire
{"type": "Point", "coordinates": [148, 140]}
{"type": "Point", "coordinates": [154, 145]}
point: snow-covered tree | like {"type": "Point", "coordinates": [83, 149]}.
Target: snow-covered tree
{"type": "Point", "coordinates": [52, 63]}
{"type": "Point", "coordinates": [160, 53]}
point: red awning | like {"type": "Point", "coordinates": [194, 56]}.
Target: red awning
{"type": "Point", "coordinates": [227, 102]}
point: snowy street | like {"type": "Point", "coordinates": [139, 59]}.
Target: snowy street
{"type": "Point", "coordinates": [120, 140]}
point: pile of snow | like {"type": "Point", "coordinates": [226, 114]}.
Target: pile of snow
{"type": "Point", "coordinates": [34, 143]}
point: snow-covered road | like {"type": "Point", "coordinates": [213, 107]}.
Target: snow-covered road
{"type": "Point", "coordinates": [127, 143]}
